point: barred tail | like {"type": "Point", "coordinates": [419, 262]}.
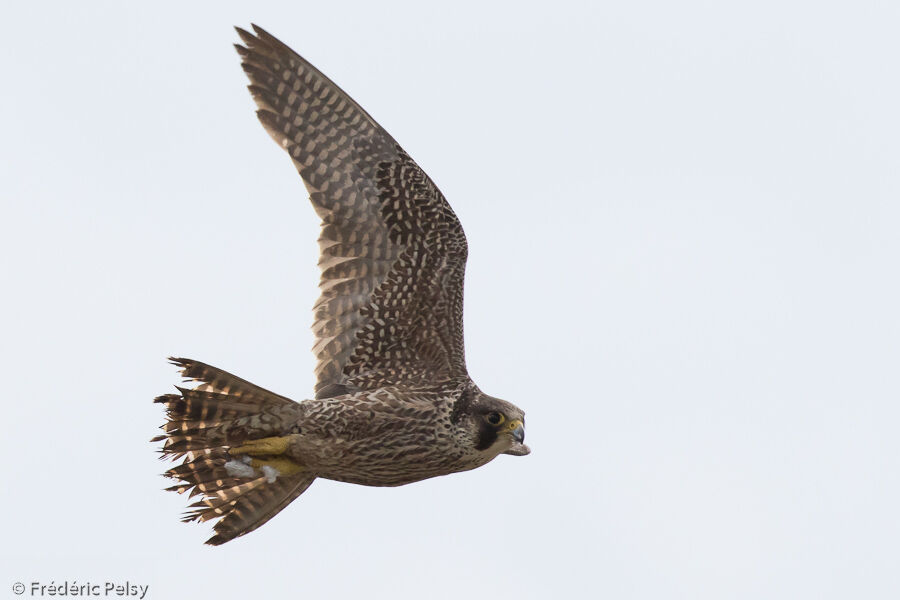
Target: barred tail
{"type": "Point", "coordinates": [202, 424]}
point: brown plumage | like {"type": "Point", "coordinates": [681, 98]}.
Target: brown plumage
{"type": "Point", "coordinates": [394, 403]}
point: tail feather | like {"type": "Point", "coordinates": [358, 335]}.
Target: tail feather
{"type": "Point", "coordinates": [252, 510]}
{"type": "Point", "coordinates": [200, 468]}
{"type": "Point", "coordinates": [199, 419]}
{"type": "Point", "coordinates": [217, 380]}
{"type": "Point", "coordinates": [202, 423]}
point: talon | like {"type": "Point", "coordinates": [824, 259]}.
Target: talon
{"type": "Point", "coordinates": [270, 446]}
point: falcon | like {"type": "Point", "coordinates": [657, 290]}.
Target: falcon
{"type": "Point", "coordinates": [393, 401]}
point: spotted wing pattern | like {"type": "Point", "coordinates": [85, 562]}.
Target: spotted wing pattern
{"type": "Point", "coordinates": [392, 251]}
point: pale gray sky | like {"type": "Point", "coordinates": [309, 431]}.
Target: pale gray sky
{"type": "Point", "coordinates": [683, 228]}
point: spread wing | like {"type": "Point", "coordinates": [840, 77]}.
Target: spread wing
{"type": "Point", "coordinates": [392, 252]}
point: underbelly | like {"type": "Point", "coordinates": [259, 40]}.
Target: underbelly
{"type": "Point", "coordinates": [383, 467]}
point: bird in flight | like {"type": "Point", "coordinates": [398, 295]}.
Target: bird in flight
{"type": "Point", "coordinates": [393, 401]}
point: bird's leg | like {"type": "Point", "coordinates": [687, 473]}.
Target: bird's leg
{"type": "Point", "coordinates": [269, 452]}
{"type": "Point", "coordinates": [282, 465]}
{"type": "Point", "coordinates": [270, 446]}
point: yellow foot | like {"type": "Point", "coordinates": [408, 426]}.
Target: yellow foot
{"type": "Point", "coordinates": [270, 446]}
{"type": "Point", "coordinates": [282, 466]}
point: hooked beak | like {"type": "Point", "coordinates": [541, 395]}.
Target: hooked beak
{"type": "Point", "coordinates": [517, 430]}
{"type": "Point", "coordinates": [519, 434]}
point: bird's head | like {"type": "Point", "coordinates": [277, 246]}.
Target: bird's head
{"type": "Point", "coordinates": [494, 426]}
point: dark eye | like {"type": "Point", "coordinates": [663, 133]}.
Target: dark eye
{"type": "Point", "coordinates": [494, 418]}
